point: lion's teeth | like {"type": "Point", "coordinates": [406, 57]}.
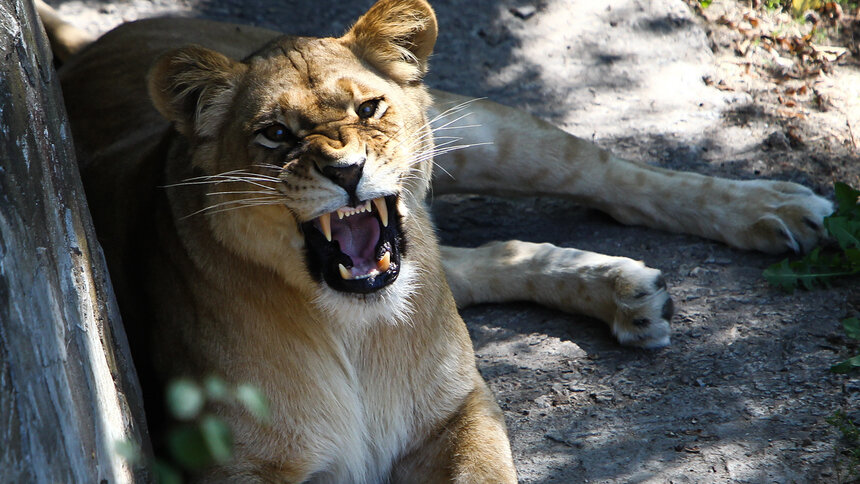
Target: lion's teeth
{"type": "Point", "coordinates": [344, 272]}
{"type": "Point", "coordinates": [384, 263]}
{"type": "Point", "coordinates": [364, 207]}
{"type": "Point", "coordinates": [382, 209]}
{"type": "Point", "coordinates": [325, 225]}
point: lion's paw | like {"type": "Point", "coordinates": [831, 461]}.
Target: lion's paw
{"type": "Point", "coordinates": [782, 216]}
{"type": "Point", "coordinates": [643, 307]}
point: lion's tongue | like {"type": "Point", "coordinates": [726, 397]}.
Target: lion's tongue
{"type": "Point", "coordinates": [357, 236]}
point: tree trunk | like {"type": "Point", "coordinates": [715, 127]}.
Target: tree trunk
{"type": "Point", "coordinates": [68, 390]}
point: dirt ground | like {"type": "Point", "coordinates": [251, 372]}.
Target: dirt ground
{"type": "Point", "coordinates": [742, 393]}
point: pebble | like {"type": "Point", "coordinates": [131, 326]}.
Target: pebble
{"type": "Point", "coordinates": [603, 397]}
{"type": "Point", "coordinates": [525, 12]}
{"type": "Point", "coordinates": [556, 436]}
{"type": "Point", "coordinates": [777, 141]}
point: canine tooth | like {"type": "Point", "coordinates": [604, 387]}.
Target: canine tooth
{"type": "Point", "coordinates": [325, 224]}
{"type": "Point", "coordinates": [384, 263]}
{"type": "Point", "coordinates": [344, 272]}
{"type": "Point", "coordinates": [382, 209]}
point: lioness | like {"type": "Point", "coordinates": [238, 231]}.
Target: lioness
{"type": "Point", "coordinates": [261, 202]}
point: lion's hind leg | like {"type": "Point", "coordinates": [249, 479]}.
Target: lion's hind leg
{"type": "Point", "coordinates": [622, 292]}
{"type": "Point", "coordinates": [66, 39]}
{"type": "Point", "coordinates": [513, 153]}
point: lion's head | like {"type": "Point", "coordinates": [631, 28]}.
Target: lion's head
{"type": "Point", "coordinates": [311, 150]}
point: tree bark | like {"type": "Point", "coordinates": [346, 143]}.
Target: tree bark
{"type": "Point", "coordinates": [68, 390]}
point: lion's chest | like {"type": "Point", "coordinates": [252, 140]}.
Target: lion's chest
{"type": "Point", "coordinates": [360, 431]}
{"type": "Point", "coordinates": [353, 410]}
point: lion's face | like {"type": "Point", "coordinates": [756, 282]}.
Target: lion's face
{"type": "Point", "coordinates": [311, 149]}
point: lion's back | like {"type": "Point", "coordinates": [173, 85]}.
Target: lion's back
{"type": "Point", "coordinates": [104, 86]}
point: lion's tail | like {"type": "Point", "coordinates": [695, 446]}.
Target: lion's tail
{"type": "Point", "coordinates": [66, 39]}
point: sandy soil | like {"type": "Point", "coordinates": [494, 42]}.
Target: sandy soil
{"type": "Point", "coordinates": [742, 393]}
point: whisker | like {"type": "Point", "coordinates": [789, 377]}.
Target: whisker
{"type": "Point", "coordinates": [246, 202]}
{"type": "Point", "coordinates": [268, 166]}
{"type": "Point", "coordinates": [241, 192]}
{"type": "Point", "coordinates": [455, 109]}
{"type": "Point", "coordinates": [449, 123]}
{"type": "Point", "coordinates": [250, 181]}
{"type": "Point", "coordinates": [430, 154]}
{"type": "Point", "coordinates": [462, 126]}
{"type": "Point", "coordinates": [446, 126]}
{"type": "Point", "coordinates": [435, 152]}
{"type": "Point", "coordinates": [227, 209]}
{"type": "Point", "coordinates": [446, 143]}
{"type": "Point", "coordinates": [231, 173]}
{"type": "Point", "coordinates": [429, 124]}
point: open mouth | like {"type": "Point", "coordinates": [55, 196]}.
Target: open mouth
{"type": "Point", "coordinates": [356, 249]}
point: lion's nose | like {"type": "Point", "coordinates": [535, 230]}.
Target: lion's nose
{"type": "Point", "coordinates": [346, 177]}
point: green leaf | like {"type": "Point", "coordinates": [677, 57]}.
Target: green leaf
{"type": "Point", "coordinates": [773, 4]}
{"type": "Point", "coordinates": [188, 447]}
{"type": "Point", "coordinates": [846, 200]}
{"type": "Point", "coordinates": [218, 438]}
{"type": "Point", "coordinates": [845, 231]}
{"type": "Point", "coordinates": [852, 327]}
{"type": "Point", "coordinates": [847, 365]}
{"type": "Point", "coordinates": [184, 399]}
{"type": "Point", "coordinates": [216, 388]}
{"type": "Point", "coordinates": [128, 450]}
{"type": "Point", "coordinates": [853, 258]}
{"type": "Point", "coordinates": [705, 3]}
{"type": "Point", "coordinates": [166, 473]}
{"type": "Point", "coordinates": [254, 401]}
{"type": "Point", "coordinates": [781, 275]}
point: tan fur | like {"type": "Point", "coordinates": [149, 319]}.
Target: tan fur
{"type": "Point", "coordinates": [363, 388]}
{"type": "Point", "coordinates": [66, 39]}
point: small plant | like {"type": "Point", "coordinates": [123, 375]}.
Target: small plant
{"type": "Point", "coordinates": [819, 267]}
{"type": "Point", "coordinates": [850, 439]}
{"type": "Point", "coordinates": [773, 4]}
{"type": "Point", "coordinates": [852, 330]}
{"type": "Point", "coordinates": [200, 438]}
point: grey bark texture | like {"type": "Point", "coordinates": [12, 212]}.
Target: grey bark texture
{"type": "Point", "coordinates": [68, 390]}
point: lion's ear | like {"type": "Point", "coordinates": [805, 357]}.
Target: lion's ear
{"type": "Point", "coordinates": [396, 37]}
{"type": "Point", "coordinates": [193, 87]}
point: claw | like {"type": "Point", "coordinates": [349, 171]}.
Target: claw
{"type": "Point", "coordinates": [812, 224]}
{"type": "Point", "coordinates": [668, 310]}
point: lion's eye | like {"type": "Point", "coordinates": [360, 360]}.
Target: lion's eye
{"type": "Point", "coordinates": [277, 133]}
{"type": "Point", "coordinates": [274, 136]}
{"type": "Point", "coordinates": [367, 109]}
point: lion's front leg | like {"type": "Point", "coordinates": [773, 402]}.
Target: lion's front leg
{"type": "Point", "coordinates": [628, 296]}
{"type": "Point", "coordinates": [470, 448]}
{"type": "Point", "coordinates": [524, 155]}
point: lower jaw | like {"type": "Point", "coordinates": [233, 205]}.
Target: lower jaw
{"type": "Point", "coordinates": [363, 286]}
{"type": "Point", "coordinates": [390, 305]}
